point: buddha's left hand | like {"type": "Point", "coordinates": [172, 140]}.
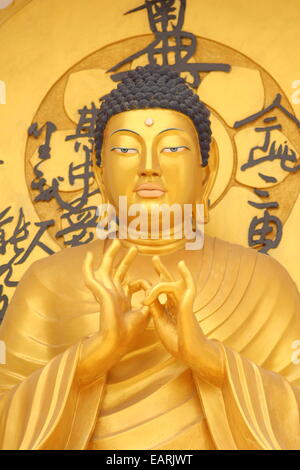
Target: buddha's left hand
{"type": "Point", "coordinates": [177, 325]}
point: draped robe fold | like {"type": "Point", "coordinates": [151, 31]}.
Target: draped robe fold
{"type": "Point", "coordinates": [245, 300]}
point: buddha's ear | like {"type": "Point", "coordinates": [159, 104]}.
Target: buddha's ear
{"type": "Point", "coordinates": [210, 171]}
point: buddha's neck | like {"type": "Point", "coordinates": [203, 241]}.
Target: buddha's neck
{"type": "Point", "coordinates": [152, 247]}
{"type": "Point", "coordinates": [147, 245]}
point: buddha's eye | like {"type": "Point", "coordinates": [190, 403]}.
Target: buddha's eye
{"type": "Point", "coordinates": [175, 149]}
{"type": "Point", "coordinates": [124, 150]}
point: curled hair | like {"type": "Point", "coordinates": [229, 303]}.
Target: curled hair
{"type": "Point", "coordinates": [154, 86]}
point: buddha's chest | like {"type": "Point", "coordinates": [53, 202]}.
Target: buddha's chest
{"type": "Point", "coordinates": [150, 400]}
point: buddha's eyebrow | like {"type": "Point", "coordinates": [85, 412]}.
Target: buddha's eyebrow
{"type": "Point", "coordinates": [124, 130]}
{"type": "Point", "coordinates": [171, 129]}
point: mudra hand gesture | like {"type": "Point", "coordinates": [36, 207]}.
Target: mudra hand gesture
{"type": "Point", "coordinates": [177, 326]}
{"type": "Point", "coordinates": [120, 325]}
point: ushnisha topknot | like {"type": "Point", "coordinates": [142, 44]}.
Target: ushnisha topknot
{"type": "Point", "coordinates": [154, 86]}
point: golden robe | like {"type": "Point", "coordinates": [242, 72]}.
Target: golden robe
{"type": "Point", "coordinates": [149, 400]}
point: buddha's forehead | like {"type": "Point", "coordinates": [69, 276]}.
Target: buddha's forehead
{"type": "Point", "coordinates": [150, 122]}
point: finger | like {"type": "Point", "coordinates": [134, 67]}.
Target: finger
{"type": "Point", "coordinates": [162, 287]}
{"type": "Point", "coordinates": [87, 265]}
{"type": "Point", "coordinates": [97, 289]}
{"type": "Point", "coordinates": [138, 285]}
{"type": "Point", "coordinates": [88, 272]}
{"type": "Point", "coordinates": [186, 275]}
{"type": "Point", "coordinates": [125, 263]}
{"type": "Point", "coordinates": [161, 269]}
{"type": "Point", "coordinates": [109, 256]}
{"type": "Point", "coordinates": [109, 321]}
{"type": "Point", "coordinates": [94, 286]}
{"type": "Point", "coordinates": [145, 311]}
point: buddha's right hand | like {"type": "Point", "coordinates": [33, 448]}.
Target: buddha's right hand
{"type": "Point", "coordinates": [120, 325]}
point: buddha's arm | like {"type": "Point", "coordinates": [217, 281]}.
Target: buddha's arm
{"type": "Point", "coordinates": [178, 327]}
{"type": "Point", "coordinates": [253, 408]}
{"type": "Point", "coordinates": [41, 404]}
{"type": "Point", "coordinates": [259, 400]}
{"type": "Point", "coordinates": [55, 373]}
{"type": "Point", "coordinates": [248, 406]}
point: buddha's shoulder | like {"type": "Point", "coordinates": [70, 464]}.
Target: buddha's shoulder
{"type": "Point", "coordinates": [66, 264]}
{"type": "Point", "coordinates": [259, 266]}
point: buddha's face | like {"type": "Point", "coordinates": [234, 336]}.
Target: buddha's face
{"type": "Point", "coordinates": [152, 156]}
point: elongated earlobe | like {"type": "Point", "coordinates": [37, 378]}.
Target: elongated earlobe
{"type": "Point", "coordinates": [98, 174]}
{"type": "Point", "coordinates": [209, 178]}
{"type": "Point", "coordinates": [213, 166]}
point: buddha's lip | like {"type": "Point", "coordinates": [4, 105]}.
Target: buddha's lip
{"type": "Point", "coordinates": [149, 187]}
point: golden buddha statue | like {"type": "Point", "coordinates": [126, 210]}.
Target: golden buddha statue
{"type": "Point", "coordinates": [140, 343]}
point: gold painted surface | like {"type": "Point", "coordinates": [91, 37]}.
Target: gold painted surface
{"type": "Point", "coordinates": [240, 304]}
{"type": "Point", "coordinates": [246, 307]}
{"type": "Point", "coordinates": [235, 95]}
{"type": "Point", "coordinates": [40, 71]}
{"type": "Point", "coordinates": [12, 9]}
{"type": "Point", "coordinates": [233, 145]}
{"type": "Point", "coordinates": [140, 417]}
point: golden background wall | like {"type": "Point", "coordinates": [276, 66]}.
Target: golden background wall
{"type": "Point", "coordinates": [54, 59]}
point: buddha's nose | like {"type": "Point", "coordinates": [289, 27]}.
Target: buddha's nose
{"type": "Point", "coordinates": [149, 164]}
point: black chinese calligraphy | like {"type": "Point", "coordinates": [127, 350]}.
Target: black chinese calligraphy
{"type": "Point", "coordinates": [272, 151]}
{"type": "Point", "coordinates": [17, 244]}
{"type": "Point", "coordinates": [79, 217]}
{"type": "Point", "coordinates": [86, 124]}
{"type": "Point", "coordinates": [276, 104]}
{"type": "Point", "coordinates": [166, 18]}
{"type": "Point", "coordinates": [265, 232]}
